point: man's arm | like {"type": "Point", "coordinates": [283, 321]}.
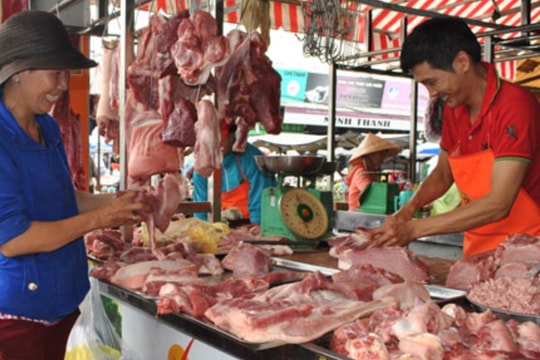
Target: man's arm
{"type": "Point", "coordinates": [507, 177]}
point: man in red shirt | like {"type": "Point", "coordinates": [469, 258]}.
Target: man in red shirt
{"type": "Point", "coordinates": [491, 130]}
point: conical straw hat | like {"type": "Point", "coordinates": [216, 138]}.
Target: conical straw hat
{"type": "Point", "coordinates": [371, 144]}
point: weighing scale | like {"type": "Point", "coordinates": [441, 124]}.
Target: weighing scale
{"type": "Point", "coordinates": [294, 208]}
{"type": "Point", "coordinates": [378, 198]}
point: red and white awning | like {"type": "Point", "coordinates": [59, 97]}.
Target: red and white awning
{"type": "Point", "coordinates": [386, 24]}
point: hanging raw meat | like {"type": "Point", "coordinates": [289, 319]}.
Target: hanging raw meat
{"type": "Point", "coordinates": [207, 149]}
{"type": "Point", "coordinates": [180, 127]}
{"type": "Point", "coordinates": [148, 155]}
{"type": "Point", "coordinates": [248, 87]}
{"type": "Point", "coordinates": [165, 35]}
{"type": "Point", "coordinates": [114, 86]}
{"type": "Point", "coordinates": [107, 118]}
{"type": "Point", "coordinates": [199, 48]}
{"type": "Point", "coordinates": [70, 127]}
{"type": "Point", "coordinates": [141, 76]}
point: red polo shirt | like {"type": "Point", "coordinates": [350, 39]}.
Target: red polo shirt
{"type": "Point", "coordinates": [509, 122]}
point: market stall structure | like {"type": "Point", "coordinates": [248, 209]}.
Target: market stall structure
{"type": "Point", "coordinates": [499, 49]}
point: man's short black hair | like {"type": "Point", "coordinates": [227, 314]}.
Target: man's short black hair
{"type": "Point", "coordinates": [438, 41]}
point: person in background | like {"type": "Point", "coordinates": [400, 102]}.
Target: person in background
{"type": "Point", "coordinates": [242, 182]}
{"type": "Point", "coordinates": [43, 264]}
{"type": "Point", "coordinates": [364, 166]}
{"type": "Point", "coordinates": [489, 144]}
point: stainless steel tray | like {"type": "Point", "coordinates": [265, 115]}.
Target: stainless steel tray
{"type": "Point", "coordinates": [252, 346]}
{"type": "Point", "coordinates": [323, 350]}
{"type": "Point", "coordinates": [437, 292]}
{"type": "Point", "coordinates": [506, 315]}
{"type": "Point", "coordinates": [299, 266]}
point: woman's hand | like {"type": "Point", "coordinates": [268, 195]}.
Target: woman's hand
{"type": "Point", "coordinates": [126, 209]}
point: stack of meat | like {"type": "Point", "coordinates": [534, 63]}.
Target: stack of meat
{"type": "Point", "coordinates": [352, 250]}
{"type": "Point", "coordinates": [141, 269]}
{"type": "Point", "coordinates": [167, 79]}
{"type": "Point", "coordinates": [428, 332]}
{"type": "Point", "coordinates": [513, 258]}
{"type": "Point", "coordinates": [293, 313]}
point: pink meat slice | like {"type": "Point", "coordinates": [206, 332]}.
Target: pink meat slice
{"type": "Point", "coordinates": [398, 260]}
{"type": "Point", "coordinates": [245, 260]}
{"type": "Point", "coordinates": [195, 299]}
{"type": "Point", "coordinates": [522, 248]}
{"type": "Point", "coordinates": [148, 154]}
{"type": "Point", "coordinates": [132, 276]}
{"type": "Point", "coordinates": [207, 150]}
{"type": "Point", "coordinates": [408, 293]}
{"type": "Point", "coordinates": [164, 200]}
{"type": "Point", "coordinates": [467, 272]}
{"type": "Point", "coordinates": [362, 280]}
{"type": "Point", "coordinates": [292, 313]}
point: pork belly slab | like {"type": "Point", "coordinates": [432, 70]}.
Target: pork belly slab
{"type": "Point", "coordinates": [292, 313]}
{"type": "Point", "coordinates": [132, 276]}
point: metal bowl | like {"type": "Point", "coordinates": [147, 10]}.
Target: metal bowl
{"type": "Point", "coordinates": [506, 315]}
{"type": "Point", "coordinates": [290, 165]}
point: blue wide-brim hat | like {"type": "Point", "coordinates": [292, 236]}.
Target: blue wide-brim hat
{"type": "Point", "coordinates": [36, 39]}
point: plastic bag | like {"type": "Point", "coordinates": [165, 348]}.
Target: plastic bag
{"type": "Point", "coordinates": [449, 201]}
{"type": "Point", "coordinates": [93, 336]}
{"type": "Point", "coordinates": [206, 234]}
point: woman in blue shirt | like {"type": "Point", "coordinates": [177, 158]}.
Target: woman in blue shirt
{"type": "Point", "coordinates": [43, 265]}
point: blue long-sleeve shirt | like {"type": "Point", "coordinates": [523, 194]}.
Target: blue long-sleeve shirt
{"type": "Point", "coordinates": [35, 185]}
{"type": "Point", "coordinates": [231, 177]}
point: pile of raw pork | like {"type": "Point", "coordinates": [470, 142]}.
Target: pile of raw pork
{"type": "Point", "coordinates": [422, 329]}
{"type": "Point", "coordinates": [500, 279]}
{"type": "Point", "coordinates": [180, 60]}
{"type": "Point", "coordinates": [513, 258]}
{"type": "Point", "coordinates": [375, 307]}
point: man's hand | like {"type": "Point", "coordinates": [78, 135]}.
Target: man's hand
{"type": "Point", "coordinates": [394, 232]}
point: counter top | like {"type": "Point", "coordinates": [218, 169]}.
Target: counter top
{"type": "Point", "coordinates": [215, 338]}
{"type": "Point", "coordinates": [447, 246]}
{"type": "Point", "coordinates": [208, 334]}
{"type": "Point", "coordinates": [438, 267]}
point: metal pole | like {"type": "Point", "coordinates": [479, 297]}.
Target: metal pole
{"type": "Point", "coordinates": [215, 181]}
{"type": "Point", "coordinates": [413, 115]}
{"type": "Point", "coordinates": [413, 129]}
{"type": "Point", "coordinates": [126, 21]}
{"type": "Point", "coordinates": [332, 76]}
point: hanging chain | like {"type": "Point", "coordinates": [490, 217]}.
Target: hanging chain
{"type": "Point", "coordinates": [329, 27]}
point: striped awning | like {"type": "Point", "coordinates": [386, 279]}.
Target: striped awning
{"type": "Point", "coordinates": [387, 17]}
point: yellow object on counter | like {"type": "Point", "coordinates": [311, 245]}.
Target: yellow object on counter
{"type": "Point", "coordinates": [206, 234]}
{"type": "Point", "coordinates": [97, 352]}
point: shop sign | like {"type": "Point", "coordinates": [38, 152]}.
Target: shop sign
{"type": "Point", "coordinates": [362, 101]}
{"type": "Point", "coordinates": [348, 119]}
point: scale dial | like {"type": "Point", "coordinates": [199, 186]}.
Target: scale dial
{"type": "Point", "coordinates": [303, 213]}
